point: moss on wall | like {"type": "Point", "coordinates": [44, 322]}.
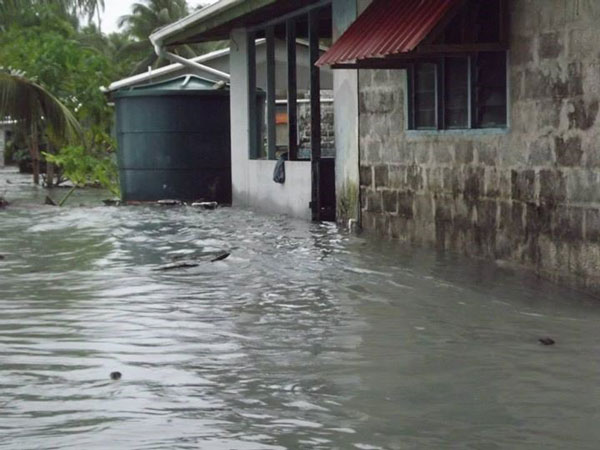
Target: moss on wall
{"type": "Point", "coordinates": [347, 202]}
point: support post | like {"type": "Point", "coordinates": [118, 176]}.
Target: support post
{"type": "Point", "coordinates": [253, 134]}
{"type": "Point", "coordinates": [271, 130]}
{"type": "Point", "coordinates": [315, 113]}
{"type": "Point", "coordinates": [292, 89]}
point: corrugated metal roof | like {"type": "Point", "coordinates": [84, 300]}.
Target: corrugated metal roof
{"type": "Point", "coordinates": [387, 27]}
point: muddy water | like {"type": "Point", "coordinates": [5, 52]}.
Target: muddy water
{"type": "Point", "coordinates": [304, 338]}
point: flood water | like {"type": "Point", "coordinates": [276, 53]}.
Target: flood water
{"type": "Point", "coordinates": [304, 338]}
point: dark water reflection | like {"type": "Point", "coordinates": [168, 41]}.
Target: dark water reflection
{"type": "Point", "coordinates": [305, 338]}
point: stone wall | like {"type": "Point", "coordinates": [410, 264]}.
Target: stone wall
{"type": "Point", "coordinates": [530, 194]}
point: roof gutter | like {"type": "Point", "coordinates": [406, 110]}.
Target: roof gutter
{"type": "Point", "coordinates": [160, 51]}
{"type": "Point", "coordinates": [202, 14]}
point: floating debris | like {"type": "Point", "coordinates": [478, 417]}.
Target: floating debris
{"type": "Point", "coordinates": [221, 257]}
{"type": "Point", "coordinates": [547, 341]}
{"type": "Point", "coordinates": [169, 202]}
{"type": "Point", "coordinates": [112, 202]}
{"type": "Point", "coordinates": [3, 203]}
{"type": "Point", "coordinates": [116, 376]}
{"type": "Point", "coordinates": [49, 201]}
{"type": "Point", "coordinates": [205, 205]}
{"type": "Point", "coordinates": [2, 257]}
{"type": "Point", "coordinates": [174, 266]}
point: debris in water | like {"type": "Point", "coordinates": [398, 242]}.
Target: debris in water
{"type": "Point", "coordinates": [2, 257]}
{"type": "Point", "coordinates": [547, 341]}
{"type": "Point", "coordinates": [221, 257]}
{"type": "Point", "coordinates": [49, 201]}
{"type": "Point", "coordinates": [3, 203]}
{"type": "Point", "coordinates": [112, 202]}
{"type": "Point", "coordinates": [169, 202]}
{"type": "Point", "coordinates": [205, 205]}
{"type": "Point", "coordinates": [179, 265]}
{"type": "Point", "coordinates": [115, 376]}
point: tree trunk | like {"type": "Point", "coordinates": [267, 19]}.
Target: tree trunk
{"type": "Point", "coordinates": [50, 168]}
{"type": "Point", "coordinates": [99, 17]}
{"type": "Point", "coordinates": [49, 174]}
{"type": "Point", "coordinates": [34, 151]}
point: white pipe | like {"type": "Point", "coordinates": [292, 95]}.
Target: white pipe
{"type": "Point", "coordinates": [161, 52]}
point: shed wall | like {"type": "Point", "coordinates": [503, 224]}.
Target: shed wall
{"type": "Point", "coordinates": [529, 195]}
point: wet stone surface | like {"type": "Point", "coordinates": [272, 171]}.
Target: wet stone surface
{"type": "Point", "coordinates": [302, 338]}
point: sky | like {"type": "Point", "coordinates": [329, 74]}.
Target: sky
{"type": "Point", "coordinates": [117, 8]}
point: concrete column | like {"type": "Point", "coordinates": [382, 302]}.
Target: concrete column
{"type": "Point", "coordinates": [240, 123]}
{"type": "Point", "coordinates": [345, 83]}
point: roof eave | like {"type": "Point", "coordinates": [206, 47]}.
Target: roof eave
{"type": "Point", "coordinates": [205, 24]}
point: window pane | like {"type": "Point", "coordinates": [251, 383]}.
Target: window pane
{"type": "Point", "coordinates": [457, 92]}
{"type": "Point", "coordinates": [490, 90]}
{"type": "Point", "coordinates": [425, 96]}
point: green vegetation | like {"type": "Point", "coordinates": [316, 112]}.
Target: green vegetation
{"type": "Point", "coordinates": [52, 60]}
{"type": "Point", "coordinates": [145, 18]}
{"type": "Point", "coordinates": [84, 167]}
{"type": "Point", "coordinates": [35, 110]}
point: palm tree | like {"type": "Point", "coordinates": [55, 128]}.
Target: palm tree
{"type": "Point", "coordinates": [10, 9]}
{"type": "Point", "coordinates": [90, 8]}
{"type": "Point", "coordinates": [35, 110]}
{"type": "Point", "coordinates": [144, 19]}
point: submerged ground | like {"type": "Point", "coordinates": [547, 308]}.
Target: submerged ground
{"type": "Point", "coordinates": [304, 338]}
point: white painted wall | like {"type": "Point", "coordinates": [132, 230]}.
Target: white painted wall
{"type": "Point", "coordinates": [291, 198]}
{"type": "Point", "coordinates": [252, 180]}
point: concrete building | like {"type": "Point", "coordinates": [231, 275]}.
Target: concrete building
{"type": "Point", "coordinates": [466, 125]}
{"type": "Point", "coordinates": [256, 142]}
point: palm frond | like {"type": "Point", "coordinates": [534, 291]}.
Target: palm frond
{"type": "Point", "coordinates": [28, 103]}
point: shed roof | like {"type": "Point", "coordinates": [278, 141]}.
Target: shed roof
{"type": "Point", "coordinates": [187, 84]}
{"type": "Point", "coordinates": [163, 71]}
{"type": "Point", "coordinates": [386, 28]}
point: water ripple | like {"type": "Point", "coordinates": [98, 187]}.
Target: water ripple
{"type": "Point", "coordinates": [304, 338]}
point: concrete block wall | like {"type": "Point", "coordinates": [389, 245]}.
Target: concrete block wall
{"type": "Point", "coordinates": [529, 195]}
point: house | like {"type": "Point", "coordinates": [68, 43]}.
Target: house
{"type": "Point", "coordinates": [215, 66]}
{"type": "Point", "coordinates": [470, 125]}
